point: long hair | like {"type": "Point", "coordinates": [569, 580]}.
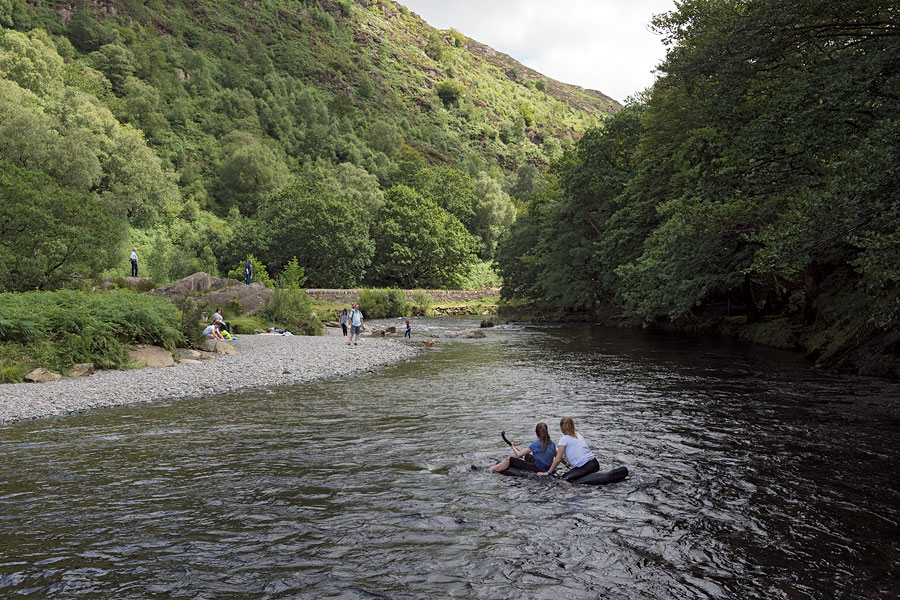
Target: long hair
{"type": "Point", "coordinates": [567, 426]}
{"type": "Point", "coordinates": [541, 431]}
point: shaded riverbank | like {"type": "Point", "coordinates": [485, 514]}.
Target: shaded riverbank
{"type": "Point", "coordinates": [842, 345]}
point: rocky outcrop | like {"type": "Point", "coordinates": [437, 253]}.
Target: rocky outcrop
{"type": "Point", "coordinates": [151, 356]}
{"type": "Point", "coordinates": [217, 291]}
{"type": "Point", "coordinates": [251, 297]}
{"type": "Point", "coordinates": [198, 283]}
{"type": "Point", "coordinates": [41, 375]}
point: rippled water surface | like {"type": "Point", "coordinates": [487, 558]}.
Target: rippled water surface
{"type": "Point", "coordinates": [751, 477]}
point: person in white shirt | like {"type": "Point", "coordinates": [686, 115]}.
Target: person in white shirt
{"type": "Point", "coordinates": [134, 262]}
{"type": "Point", "coordinates": [575, 450]}
{"type": "Point", "coordinates": [356, 321]}
{"type": "Point", "coordinates": [212, 332]}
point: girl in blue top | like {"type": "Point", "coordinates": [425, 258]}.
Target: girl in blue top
{"type": "Point", "coordinates": [574, 449]}
{"type": "Point", "coordinates": [542, 448]}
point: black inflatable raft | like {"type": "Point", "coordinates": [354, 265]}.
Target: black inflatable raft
{"type": "Point", "coordinates": [613, 475]}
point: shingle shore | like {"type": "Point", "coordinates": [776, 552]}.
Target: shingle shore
{"type": "Point", "coordinates": [262, 360]}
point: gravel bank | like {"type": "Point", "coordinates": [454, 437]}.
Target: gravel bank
{"type": "Point", "coordinates": [262, 360]}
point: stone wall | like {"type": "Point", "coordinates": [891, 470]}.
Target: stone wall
{"type": "Point", "coordinates": [438, 296]}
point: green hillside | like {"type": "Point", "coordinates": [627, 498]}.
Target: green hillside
{"type": "Point", "coordinates": [199, 125]}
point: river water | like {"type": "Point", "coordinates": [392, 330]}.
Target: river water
{"type": "Point", "coordinates": [752, 476]}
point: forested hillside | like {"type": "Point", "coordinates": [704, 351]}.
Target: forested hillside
{"type": "Point", "coordinates": [755, 189]}
{"type": "Point", "coordinates": [350, 135]}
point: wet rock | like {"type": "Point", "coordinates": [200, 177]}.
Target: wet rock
{"type": "Point", "coordinates": [487, 323]}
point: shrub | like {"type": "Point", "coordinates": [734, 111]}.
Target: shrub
{"type": "Point", "coordinates": [379, 304]}
{"type": "Point", "coordinates": [450, 91]}
{"type": "Point", "coordinates": [292, 277]}
{"type": "Point", "coordinates": [291, 309]}
{"type": "Point", "coordinates": [145, 285]}
{"type": "Point", "coordinates": [260, 273]}
{"type": "Point", "coordinates": [422, 302]}
{"type": "Point", "coordinates": [192, 319]}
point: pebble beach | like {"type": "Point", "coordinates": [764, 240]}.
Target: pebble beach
{"type": "Point", "coordinates": [261, 361]}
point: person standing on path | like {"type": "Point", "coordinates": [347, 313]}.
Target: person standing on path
{"type": "Point", "coordinates": [248, 271]}
{"type": "Point", "coordinates": [345, 320]}
{"type": "Point", "coordinates": [356, 321]}
{"type": "Point", "coordinates": [134, 262]}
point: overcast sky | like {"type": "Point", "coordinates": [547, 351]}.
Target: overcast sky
{"type": "Point", "coordinates": [604, 45]}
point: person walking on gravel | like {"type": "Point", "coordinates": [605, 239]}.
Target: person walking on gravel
{"type": "Point", "coordinates": [356, 321]}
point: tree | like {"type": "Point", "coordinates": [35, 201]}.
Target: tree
{"type": "Point", "coordinates": [116, 62]}
{"type": "Point", "coordinates": [47, 233]}
{"type": "Point", "coordinates": [419, 244]}
{"type": "Point", "coordinates": [249, 173]}
{"type": "Point", "coordinates": [494, 213]}
{"type": "Point", "coordinates": [358, 188]}
{"type": "Point", "coordinates": [309, 221]}
{"type": "Point", "coordinates": [451, 189]}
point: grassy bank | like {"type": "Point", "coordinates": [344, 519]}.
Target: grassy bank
{"type": "Point", "coordinates": [58, 329]}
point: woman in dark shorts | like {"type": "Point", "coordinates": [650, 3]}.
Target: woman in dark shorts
{"type": "Point", "coordinates": [542, 449]}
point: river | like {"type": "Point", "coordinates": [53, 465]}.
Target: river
{"type": "Point", "coordinates": [752, 476]}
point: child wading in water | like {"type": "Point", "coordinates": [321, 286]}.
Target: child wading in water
{"type": "Point", "coordinates": [408, 333]}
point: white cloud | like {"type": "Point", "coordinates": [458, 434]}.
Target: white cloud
{"type": "Point", "coordinates": [606, 45]}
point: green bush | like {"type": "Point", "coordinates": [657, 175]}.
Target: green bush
{"type": "Point", "coordinates": [58, 329]}
{"type": "Point", "coordinates": [421, 301]}
{"type": "Point", "coordinates": [450, 91]}
{"type": "Point", "coordinates": [192, 322]}
{"type": "Point", "coordinates": [379, 304]}
{"type": "Point", "coordinates": [259, 272]}
{"type": "Point", "coordinates": [291, 309]}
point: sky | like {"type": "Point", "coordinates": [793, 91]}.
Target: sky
{"type": "Point", "coordinates": [604, 45]}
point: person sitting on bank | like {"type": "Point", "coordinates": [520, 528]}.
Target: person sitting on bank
{"type": "Point", "coordinates": [217, 316]}
{"type": "Point", "coordinates": [572, 447]}
{"type": "Point", "coordinates": [212, 332]}
{"type": "Point", "coordinates": [542, 451]}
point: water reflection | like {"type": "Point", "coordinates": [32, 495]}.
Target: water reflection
{"type": "Point", "coordinates": [752, 476]}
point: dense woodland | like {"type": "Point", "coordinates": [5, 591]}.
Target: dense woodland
{"type": "Point", "coordinates": [350, 135]}
{"type": "Point", "coordinates": [757, 180]}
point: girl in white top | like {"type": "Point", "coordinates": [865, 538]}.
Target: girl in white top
{"type": "Point", "coordinates": [575, 450]}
